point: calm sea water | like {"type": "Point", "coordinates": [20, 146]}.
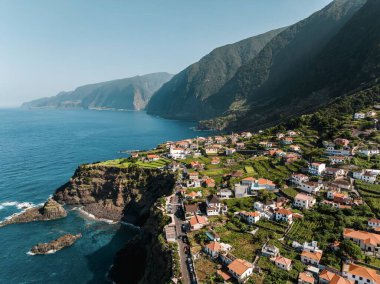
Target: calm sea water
{"type": "Point", "coordinates": [39, 151]}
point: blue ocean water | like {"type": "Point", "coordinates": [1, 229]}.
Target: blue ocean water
{"type": "Point", "coordinates": [39, 151]}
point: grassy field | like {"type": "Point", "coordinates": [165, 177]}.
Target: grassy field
{"type": "Point", "coordinates": [249, 170]}
{"type": "Point", "coordinates": [290, 192]}
{"type": "Point", "coordinates": [124, 163]}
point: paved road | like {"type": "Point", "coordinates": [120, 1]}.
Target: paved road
{"type": "Point", "coordinates": [187, 266]}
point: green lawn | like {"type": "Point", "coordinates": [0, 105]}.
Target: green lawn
{"type": "Point", "coordinates": [249, 170]}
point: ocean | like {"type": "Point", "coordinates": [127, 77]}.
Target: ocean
{"type": "Point", "coordinates": [39, 151]}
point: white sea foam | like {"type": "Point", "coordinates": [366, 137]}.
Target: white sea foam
{"type": "Point", "coordinates": [18, 205]}
{"type": "Point", "coordinates": [92, 216]}
{"type": "Point", "coordinates": [23, 206]}
{"type": "Point", "coordinates": [30, 253]}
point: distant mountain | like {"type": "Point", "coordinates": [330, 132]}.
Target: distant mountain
{"type": "Point", "coordinates": [128, 94]}
{"type": "Point", "coordinates": [184, 95]}
{"type": "Point", "coordinates": [332, 52]}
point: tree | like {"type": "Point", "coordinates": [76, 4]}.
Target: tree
{"type": "Point", "coordinates": [266, 195]}
{"type": "Point", "coordinates": [350, 249]}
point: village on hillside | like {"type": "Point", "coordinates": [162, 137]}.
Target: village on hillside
{"type": "Point", "coordinates": [276, 206]}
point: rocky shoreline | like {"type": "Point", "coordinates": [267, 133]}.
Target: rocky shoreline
{"type": "Point", "coordinates": [49, 211]}
{"type": "Point", "coordinates": [56, 245]}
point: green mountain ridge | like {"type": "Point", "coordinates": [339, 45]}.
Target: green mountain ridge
{"type": "Point", "coordinates": [348, 61]}
{"type": "Point", "coordinates": [127, 94]}
{"type": "Point", "coordinates": [260, 79]}
{"type": "Point", "coordinates": [184, 95]}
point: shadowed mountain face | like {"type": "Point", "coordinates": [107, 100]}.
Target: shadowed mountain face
{"type": "Point", "coordinates": [300, 68]}
{"type": "Point", "coordinates": [129, 94]}
{"type": "Point", "coordinates": [185, 94]}
{"type": "Point", "coordinates": [333, 52]}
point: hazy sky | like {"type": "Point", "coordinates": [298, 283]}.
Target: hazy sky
{"type": "Point", "coordinates": [47, 46]}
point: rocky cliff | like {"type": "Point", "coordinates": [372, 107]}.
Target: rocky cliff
{"type": "Point", "coordinates": [126, 94]}
{"type": "Point", "coordinates": [146, 258]}
{"type": "Point", "coordinates": [127, 194]}
{"type": "Point", "coordinates": [116, 193]}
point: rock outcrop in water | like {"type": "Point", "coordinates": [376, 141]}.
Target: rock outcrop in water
{"type": "Point", "coordinates": [49, 211]}
{"type": "Point", "coordinates": [58, 244]}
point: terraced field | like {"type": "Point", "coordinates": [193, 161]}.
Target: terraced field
{"type": "Point", "coordinates": [303, 230]}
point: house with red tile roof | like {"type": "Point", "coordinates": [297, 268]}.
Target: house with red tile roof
{"type": "Point", "coordinates": [304, 201]}
{"type": "Point", "coordinates": [213, 249]}
{"type": "Point", "coordinates": [360, 274]}
{"type": "Point", "coordinates": [305, 278]}
{"type": "Point", "coordinates": [240, 269]}
{"type": "Point", "coordinates": [367, 241]}
{"type": "Point", "coordinates": [328, 277]}
{"type": "Point", "coordinates": [313, 258]}
{"type": "Point", "coordinates": [250, 217]}
{"type": "Point", "coordinates": [283, 263]}
{"type": "Point", "coordinates": [284, 215]}
{"type": "Point", "coordinates": [374, 223]}
{"type": "Point", "coordinates": [223, 275]}
{"type": "Point", "coordinates": [152, 157]}
{"type": "Point", "coordinates": [197, 222]}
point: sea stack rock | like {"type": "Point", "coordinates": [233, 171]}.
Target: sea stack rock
{"type": "Point", "coordinates": [53, 210]}
{"type": "Point", "coordinates": [50, 211]}
{"type": "Point", "coordinates": [58, 244]}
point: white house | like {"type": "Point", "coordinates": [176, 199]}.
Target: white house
{"type": "Point", "coordinates": [240, 269]}
{"type": "Point", "coordinates": [299, 178]}
{"type": "Point", "coordinates": [312, 258]}
{"type": "Point", "coordinates": [310, 187]}
{"type": "Point", "coordinates": [225, 193]}
{"type": "Point", "coordinates": [337, 159]}
{"type": "Point", "coordinates": [316, 168]}
{"type": "Point", "coordinates": [211, 150]}
{"type": "Point", "coordinates": [284, 215]}
{"type": "Point", "coordinates": [177, 153]}
{"type": "Point", "coordinates": [241, 190]}
{"type": "Point", "coordinates": [367, 175]}
{"type": "Point", "coordinates": [304, 201]}
{"type": "Point", "coordinates": [230, 151]}
{"type": "Point", "coordinates": [331, 151]}
{"type": "Point", "coordinates": [368, 152]}
{"type": "Point", "coordinates": [283, 263]}
{"type": "Point", "coordinates": [197, 222]}
{"type": "Point", "coordinates": [250, 217]}
{"type": "Point", "coordinates": [213, 249]}
{"type": "Point", "coordinates": [360, 274]}
{"type": "Point", "coordinates": [359, 115]}
{"type": "Point", "coordinates": [374, 223]}
{"type": "Point", "coordinates": [367, 241]}
{"type": "Point", "coordinates": [270, 251]}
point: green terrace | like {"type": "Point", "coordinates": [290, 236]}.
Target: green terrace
{"type": "Point", "coordinates": [126, 162]}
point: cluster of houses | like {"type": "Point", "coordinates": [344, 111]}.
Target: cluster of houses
{"type": "Point", "coordinates": [332, 182]}
{"type": "Point", "coordinates": [197, 213]}
{"type": "Point", "coordinates": [232, 267]}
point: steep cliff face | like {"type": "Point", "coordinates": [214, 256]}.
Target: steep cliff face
{"type": "Point", "coordinates": [127, 94]}
{"type": "Point", "coordinates": [147, 258]}
{"type": "Point", "coordinates": [116, 193]}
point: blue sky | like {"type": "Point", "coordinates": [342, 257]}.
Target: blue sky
{"type": "Point", "coordinates": [47, 46]}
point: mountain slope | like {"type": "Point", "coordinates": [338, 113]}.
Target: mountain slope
{"type": "Point", "coordinates": [130, 94]}
{"type": "Point", "coordinates": [183, 96]}
{"type": "Point", "coordinates": [348, 62]}
{"type": "Point", "coordinates": [274, 79]}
